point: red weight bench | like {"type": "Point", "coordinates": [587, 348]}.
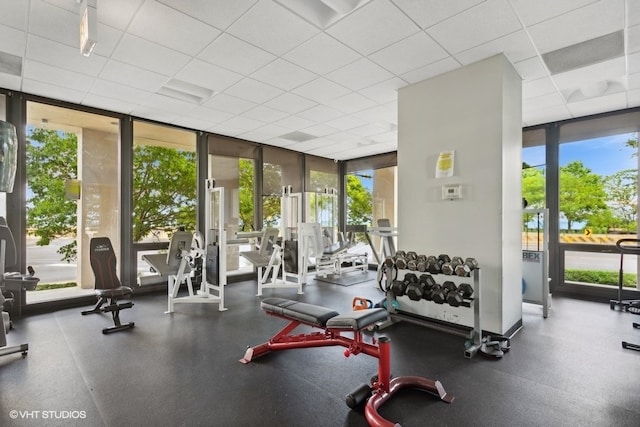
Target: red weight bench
{"type": "Point", "coordinates": [334, 326]}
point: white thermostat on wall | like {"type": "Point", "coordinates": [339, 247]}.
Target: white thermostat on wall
{"type": "Point", "coordinates": [451, 192]}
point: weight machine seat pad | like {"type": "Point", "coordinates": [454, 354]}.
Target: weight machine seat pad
{"type": "Point", "coordinates": [306, 313]}
{"type": "Point", "coordinates": [256, 258]}
{"type": "Point", "coordinates": [336, 248]}
{"type": "Point", "coordinates": [357, 320]}
{"type": "Point", "coordinates": [159, 263]}
{"type": "Point", "coordinates": [115, 292]}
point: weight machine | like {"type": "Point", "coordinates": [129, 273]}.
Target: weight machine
{"type": "Point", "coordinates": [386, 232]}
{"type": "Point", "coordinates": [190, 256]}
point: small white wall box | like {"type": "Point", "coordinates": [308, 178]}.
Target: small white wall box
{"type": "Point", "coordinates": [452, 192]}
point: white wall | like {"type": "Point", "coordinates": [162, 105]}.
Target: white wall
{"type": "Point", "coordinates": [476, 111]}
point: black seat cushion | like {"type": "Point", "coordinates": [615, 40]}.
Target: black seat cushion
{"type": "Point", "coordinates": [357, 320]}
{"type": "Point", "coordinates": [306, 313]}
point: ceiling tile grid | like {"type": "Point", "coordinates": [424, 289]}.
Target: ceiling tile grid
{"type": "Point", "coordinates": [256, 70]}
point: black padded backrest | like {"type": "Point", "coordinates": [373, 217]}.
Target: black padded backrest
{"type": "Point", "coordinates": [103, 262]}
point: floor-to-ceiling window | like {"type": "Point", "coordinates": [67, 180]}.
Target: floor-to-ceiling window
{"type": "Point", "coordinates": [280, 168]}
{"type": "Point", "coordinates": [322, 195]}
{"type": "Point", "coordinates": [371, 195]}
{"type": "Point", "coordinates": [598, 195]}
{"type": "Point", "coordinates": [72, 169]}
{"type": "Point", "coordinates": [164, 188]}
{"type": "Point", "coordinates": [233, 165]}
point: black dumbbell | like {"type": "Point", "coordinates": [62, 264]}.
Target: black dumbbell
{"type": "Point", "coordinates": [449, 268]}
{"type": "Point", "coordinates": [401, 259]}
{"type": "Point", "coordinates": [439, 294]}
{"type": "Point", "coordinates": [398, 287]}
{"type": "Point", "coordinates": [433, 265]}
{"type": "Point", "coordinates": [412, 265]}
{"type": "Point", "coordinates": [464, 270]}
{"type": "Point", "coordinates": [457, 296]}
{"type": "Point", "coordinates": [421, 263]}
{"type": "Point", "coordinates": [428, 283]}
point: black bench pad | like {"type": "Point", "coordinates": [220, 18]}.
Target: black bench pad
{"type": "Point", "coordinates": [357, 320]}
{"type": "Point", "coordinates": [306, 313]}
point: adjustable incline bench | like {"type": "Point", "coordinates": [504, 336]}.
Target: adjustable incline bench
{"type": "Point", "coordinates": [382, 387]}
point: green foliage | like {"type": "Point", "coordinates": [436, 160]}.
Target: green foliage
{"type": "Point", "coordinates": [272, 183]}
{"type": "Point", "coordinates": [164, 190]}
{"type": "Point", "coordinates": [246, 171]}
{"type": "Point", "coordinates": [51, 160]}
{"type": "Point", "coordinates": [582, 193]}
{"type": "Point", "coordinates": [622, 192]}
{"type": "Point", "coordinates": [533, 187]}
{"type": "Point", "coordinates": [47, 286]}
{"type": "Point", "coordinates": [600, 277]}
{"type": "Point", "coordinates": [359, 202]}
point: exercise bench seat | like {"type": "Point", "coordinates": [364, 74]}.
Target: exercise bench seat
{"type": "Point", "coordinates": [313, 315]}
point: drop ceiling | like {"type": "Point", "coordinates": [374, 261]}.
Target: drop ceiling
{"type": "Point", "coordinates": [270, 71]}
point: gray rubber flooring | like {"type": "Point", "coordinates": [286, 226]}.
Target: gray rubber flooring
{"type": "Point", "coordinates": [183, 369]}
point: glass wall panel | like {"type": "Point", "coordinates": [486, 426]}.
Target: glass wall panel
{"type": "Point", "coordinates": [279, 168]}
{"type": "Point", "coordinates": [72, 195]}
{"type": "Point", "coordinates": [321, 196]}
{"type": "Point", "coordinates": [598, 191]}
{"type": "Point", "coordinates": [164, 186]}
{"type": "Point", "coordinates": [233, 164]}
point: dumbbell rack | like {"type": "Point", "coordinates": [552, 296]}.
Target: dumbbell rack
{"type": "Point", "coordinates": [409, 310]}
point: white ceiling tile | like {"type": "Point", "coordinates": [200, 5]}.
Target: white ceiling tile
{"type": "Point", "coordinates": [633, 81]}
{"type": "Point", "coordinates": [531, 69]}
{"type": "Point", "coordinates": [374, 26]}
{"type": "Point", "coordinates": [117, 13]}
{"type": "Point", "coordinates": [541, 102]}
{"type": "Point", "coordinates": [225, 129]}
{"type": "Point", "coordinates": [107, 103]}
{"type": "Point", "coordinates": [290, 103]}
{"type": "Point", "coordinates": [63, 56]}
{"type": "Point", "coordinates": [633, 39]}
{"type": "Point", "coordinates": [431, 70]}
{"type": "Point", "coordinates": [235, 54]}
{"type": "Point", "coordinates": [429, 12]}
{"type": "Point", "coordinates": [272, 27]}
{"type": "Point", "coordinates": [359, 74]}
{"type": "Point", "coordinates": [165, 103]}
{"type": "Point", "coordinates": [633, 13]}
{"type": "Point", "coordinates": [321, 90]}
{"type": "Point", "coordinates": [264, 133]}
{"type": "Point", "coordinates": [346, 122]}
{"type": "Point", "coordinates": [10, 82]}
{"type": "Point", "coordinates": [633, 98]}
{"type": "Point", "coordinates": [608, 70]}
{"type": "Point", "coordinates": [209, 115]}
{"type": "Point", "coordinates": [369, 130]}
{"type": "Point", "coordinates": [283, 74]}
{"type": "Point", "coordinates": [148, 112]}
{"type": "Point", "coordinates": [15, 14]}
{"type": "Point", "coordinates": [385, 91]}
{"type": "Point", "coordinates": [408, 54]}
{"type": "Point", "coordinates": [56, 76]}
{"type": "Point", "coordinates": [612, 102]}
{"type": "Point", "coordinates": [160, 24]}
{"type": "Point", "coordinates": [130, 75]}
{"type": "Point", "coordinates": [320, 113]}
{"type": "Point", "coordinates": [322, 54]}
{"type": "Point", "coordinates": [219, 13]}
{"type": "Point", "coordinates": [253, 90]}
{"type": "Point", "coordinates": [245, 124]}
{"type": "Point", "coordinates": [191, 122]}
{"type": "Point", "coordinates": [51, 22]}
{"type": "Point", "coordinates": [480, 24]}
{"type": "Point", "coordinates": [264, 114]}
{"type": "Point", "coordinates": [320, 130]}
{"type": "Point", "coordinates": [52, 91]}
{"type": "Point", "coordinates": [515, 46]}
{"type": "Point", "coordinates": [118, 91]}
{"type": "Point", "coordinates": [229, 104]}
{"type": "Point", "coordinates": [633, 61]}
{"type": "Point", "coordinates": [203, 74]}
{"type": "Point", "coordinates": [384, 113]}
{"type": "Point", "coordinates": [151, 56]}
{"type": "Point", "coordinates": [295, 123]}
{"type": "Point", "coordinates": [108, 39]}
{"type": "Point", "coordinates": [532, 12]}
{"type": "Point", "coordinates": [586, 23]}
{"type": "Point", "coordinates": [351, 103]}
{"type": "Point", "coordinates": [538, 87]}
{"type": "Point", "coordinates": [12, 41]}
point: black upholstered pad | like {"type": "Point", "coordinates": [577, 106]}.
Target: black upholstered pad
{"type": "Point", "coordinates": [357, 320]}
{"type": "Point", "coordinates": [257, 258]}
{"type": "Point", "coordinates": [115, 292]}
{"type": "Point", "coordinates": [306, 313]}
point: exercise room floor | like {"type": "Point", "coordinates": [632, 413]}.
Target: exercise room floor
{"type": "Point", "coordinates": [183, 369]}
